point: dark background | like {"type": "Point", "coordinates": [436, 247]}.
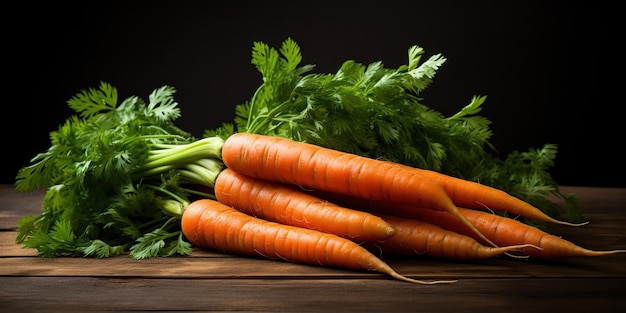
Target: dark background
{"type": "Point", "coordinates": [542, 65]}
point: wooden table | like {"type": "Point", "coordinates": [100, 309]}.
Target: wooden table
{"type": "Point", "coordinates": [208, 281]}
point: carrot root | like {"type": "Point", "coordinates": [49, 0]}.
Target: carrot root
{"type": "Point", "coordinates": [290, 206]}
{"type": "Point", "coordinates": [421, 282]}
{"type": "Point", "coordinates": [314, 167]}
{"type": "Point", "coordinates": [415, 237]}
{"type": "Point", "coordinates": [507, 231]}
{"type": "Point", "coordinates": [503, 231]}
{"type": "Point", "coordinates": [210, 224]}
{"type": "Point", "coordinates": [473, 195]}
{"type": "Point", "coordinates": [588, 252]}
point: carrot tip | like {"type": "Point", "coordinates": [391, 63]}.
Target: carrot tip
{"type": "Point", "coordinates": [515, 256]}
{"type": "Point", "coordinates": [612, 252]}
{"type": "Point", "coordinates": [520, 247]}
{"type": "Point", "coordinates": [422, 282]}
{"type": "Point", "coordinates": [571, 224]}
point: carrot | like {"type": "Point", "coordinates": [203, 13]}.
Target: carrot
{"type": "Point", "coordinates": [503, 231]}
{"type": "Point", "coordinates": [506, 231]}
{"type": "Point", "coordinates": [469, 194]}
{"type": "Point", "coordinates": [414, 237]}
{"type": "Point", "coordinates": [287, 205]}
{"type": "Point", "coordinates": [310, 166]}
{"type": "Point", "coordinates": [210, 224]}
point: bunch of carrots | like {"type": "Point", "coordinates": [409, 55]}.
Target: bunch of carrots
{"type": "Point", "coordinates": [112, 172]}
{"type": "Point", "coordinates": [257, 195]}
{"type": "Point", "coordinates": [303, 203]}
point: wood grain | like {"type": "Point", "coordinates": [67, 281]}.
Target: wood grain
{"type": "Point", "coordinates": [217, 282]}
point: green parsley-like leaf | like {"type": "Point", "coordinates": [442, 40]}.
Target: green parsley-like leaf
{"type": "Point", "coordinates": [111, 175]}
{"type": "Point", "coordinates": [94, 101]}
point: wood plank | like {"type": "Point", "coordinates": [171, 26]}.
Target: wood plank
{"type": "Point", "coordinates": [8, 247]}
{"type": "Point", "coordinates": [15, 205]}
{"type": "Point", "coordinates": [519, 295]}
{"type": "Point", "coordinates": [212, 281]}
{"type": "Point", "coordinates": [223, 265]}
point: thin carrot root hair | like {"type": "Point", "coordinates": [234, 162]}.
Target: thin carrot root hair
{"type": "Point", "coordinates": [210, 224]}
{"type": "Point", "coordinates": [287, 205]}
{"type": "Point", "coordinates": [310, 166]}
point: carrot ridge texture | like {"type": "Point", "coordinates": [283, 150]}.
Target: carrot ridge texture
{"type": "Point", "coordinates": [416, 237]}
{"type": "Point", "coordinates": [210, 224]}
{"type": "Point", "coordinates": [310, 166]}
{"type": "Point", "coordinates": [287, 205]}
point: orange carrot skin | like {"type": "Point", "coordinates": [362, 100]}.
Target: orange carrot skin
{"type": "Point", "coordinates": [469, 194]}
{"type": "Point", "coordinates": [310, 166]}
{"type": "Point", "coordinates": [313, 167]}
{"type": "Point", "coordinates": [306, 165]}
{"type": "Point", "coordinates": [415, 237]}
{"type": "Point", "coordinates": [510, 231]}
{"type": "Point", "coordinates": [288, 205]}
{"type": "Point", "coordinates": [210, 224]}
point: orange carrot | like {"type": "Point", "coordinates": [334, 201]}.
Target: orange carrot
{"type": "Point", "coordinates": [503, 231]}
{"type": "Point", "coordinates": [287, 205]}
{"type": "Point", "coordinates": [310, 166]}
{"type": "Point", "coordinates": [210, 224]}
{"type": "Point", "coordinates": [506, 231]}
{"type": "Point", "coordinates": [414, 237]}
{"type": "Point", "coordinates": [468, 194]}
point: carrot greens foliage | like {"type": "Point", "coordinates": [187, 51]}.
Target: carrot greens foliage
{"type": "Point", "coordinates": [378, 112]}
{"type": "Point", "coordinates": [114, 177]}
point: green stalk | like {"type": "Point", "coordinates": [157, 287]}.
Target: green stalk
{"type": "Point", "coordinates": [209, 147]}
{"type": "Point", "coordinates": [203, 171]}
{"type": "Point", "coordinates": [198, 161]}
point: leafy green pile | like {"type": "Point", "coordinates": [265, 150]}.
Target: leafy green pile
{"type": "Point", "coordinates": [377, 112]}
{"type": "Point", "coordinates": [116, 177]}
